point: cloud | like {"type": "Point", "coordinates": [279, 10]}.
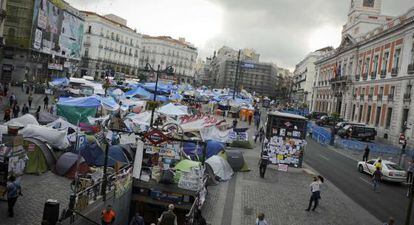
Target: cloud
{"type": "Point", "coordinates": [281, 31]}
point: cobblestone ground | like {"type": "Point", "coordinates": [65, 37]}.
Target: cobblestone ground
{"type": "Point", "coordinates": [282, 197]}
{"type": "Point", "coordinates": [36, 190]}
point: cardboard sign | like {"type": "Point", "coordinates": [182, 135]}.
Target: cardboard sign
{"type": "Point", "coordinates": [283, 167]}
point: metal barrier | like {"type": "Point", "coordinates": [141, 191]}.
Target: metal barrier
{"type": "Point", "coordinates": [379, 148]}
{"type": "Point", "coordinates": [319, 134]}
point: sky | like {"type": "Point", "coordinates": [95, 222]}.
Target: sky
{"type": "Point", "coordinates": [281, 31]}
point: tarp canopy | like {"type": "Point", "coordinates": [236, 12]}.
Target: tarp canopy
{"type": "Point", "coordinates": [221, 167]}
{"type": "Point", "coordinates": [61, 124]}
{"type": "Point", "coordinates": [75, 114]}
{"type": "Point", "coordinates": [88, 102]}
{"type": "Point", "coordinates": [161, 87]}
{"type": "Point", "coordinates": [59, 82]}
{"type": "Point", "coordinates": [212, 148]}
{"type": "Point", "coordinates": [24, 120]}
{"type": "Point", "coordinates": [176, 97]}
{"type": "Point", "coordinates": [171, 109]}
{"type": "Point", "coordinates": [213, 133]}
{"type": "Point", "coordinates": [51, 136]}
{"type": "Point", "coordinates": [139, 91]}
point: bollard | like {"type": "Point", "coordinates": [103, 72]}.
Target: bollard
{"type": "Point", "coordinates": [51, 212]}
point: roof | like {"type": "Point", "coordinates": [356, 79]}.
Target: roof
{"type": "Point", "coordinates": [170, 39]}
{"type": "Point", "coordinates": [106, 18]}
{"type": "Point", "coordinates": [289, 115]}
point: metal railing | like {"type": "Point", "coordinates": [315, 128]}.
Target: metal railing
{"type": "Point", "coordinates": [379, 97]}
{"type": "Point", "coordinates": [394, 72]}
{"type": "Point", "coordinates": [390, 97]}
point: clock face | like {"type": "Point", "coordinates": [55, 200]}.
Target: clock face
{"type": "Point", "coordinates": [369, 3]}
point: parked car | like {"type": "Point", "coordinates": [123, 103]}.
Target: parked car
{"type": "Point", "coordinates": [391, 171]}
{"type": "Point", "coordinates": [341, 125]}
{"type": "Point", "coordinates": [328, 121]}
{"type": "Point", "coordinates": [316, 115]}
{"type": "Point", "coordinates": [357, 131]}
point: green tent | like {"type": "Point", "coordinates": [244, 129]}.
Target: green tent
{"type": "Point", "coordinates": [40, 156]}
{"type": "Point", "coordinates": [73, 114]}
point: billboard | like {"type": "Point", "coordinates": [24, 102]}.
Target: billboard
{"type": "Point", "coordinates": [56, 31]}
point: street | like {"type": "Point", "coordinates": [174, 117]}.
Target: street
{"type": "Point", "coordinates": [342, 171]}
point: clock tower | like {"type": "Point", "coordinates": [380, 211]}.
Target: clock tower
{"type": "Point", "coordinates": [363, 16]}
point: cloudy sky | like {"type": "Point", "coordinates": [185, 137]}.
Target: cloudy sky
{"type": "Point", "coordinates": [282, 31]}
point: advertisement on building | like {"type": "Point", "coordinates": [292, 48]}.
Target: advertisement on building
{"type": "Point", "coordinates": [56, 31]}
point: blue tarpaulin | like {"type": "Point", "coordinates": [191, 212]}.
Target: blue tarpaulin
{"type": "Point", "coordinates": [161, 88]}
{"type": "Point", "coordinates": [95, 156]}
{"type": "Point", "coordinates": [61, 81]}
{"type": "Point", "coordinates": [138, 91]}
{"type": "Point", "coordinates": [213, 148]}
{"type": "Point", "coordinates": [90, 102]}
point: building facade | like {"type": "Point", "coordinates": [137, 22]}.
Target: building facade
{"type": "Point", "coordinates": [3, 4]}
{"type": "Point", "coordinates": [42, 40]}
{"type": "Point", "coordinates": [166, 51]}
{"type": "Point", "coordinates": [304, 77]}
{"type": "Point", "coordinates": [369, 79]}
{"type": "Point", "coordinates": [109, 45]}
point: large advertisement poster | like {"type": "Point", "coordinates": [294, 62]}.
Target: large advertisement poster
{"type": "Point", "coordinates": [55, 31]}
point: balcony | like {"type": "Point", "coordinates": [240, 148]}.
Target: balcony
{"type": "Point", "coordinates": [383, 73]}
{"type": "Point", "coordinates": [407, 97]}
{"type": "Point", "coordinates": [357, 77]}
{"type": "Point", "coordinates": [390, 97]}
{"type": "Point", "coordinates": [370, 97]}
{"type": "Point", "coordinates": [379, 97]}
{"type": "Point", "coordinates": [410, 69]}
{"type": "Point", "coordinates": [394, 72]}
{"type": "Point", "coordinates": [362, 97]}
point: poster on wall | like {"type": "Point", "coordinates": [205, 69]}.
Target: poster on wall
{"type": "Point", "coordinates": [57, 31]}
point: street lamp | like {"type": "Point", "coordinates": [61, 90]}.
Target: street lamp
{"type": "Point", "coordinates": [169, 71]}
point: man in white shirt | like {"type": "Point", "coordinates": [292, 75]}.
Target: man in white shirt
{"type": "Point", "coordinates": [316, 194]}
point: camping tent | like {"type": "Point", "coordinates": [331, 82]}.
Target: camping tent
{"type": "Point", "coordinates": [67, 165]}
{"type": "Point", "coordinates": [139, 91]}
{"type": "Point", "coordinates": [79, 109]}
{"type": "Point", "coordinates": [94, 155]}
{"type": "Point", "coordinates": [40, 156]}
{"type": "Point", "coordinates": [221, 167]}
{"type": "Point", "coordinates": [212, 148]}
{"type": "Point", "coordinates": [213, 133]}
{"type": "Point", "coordinates": [171, 109]}
{"type": "Point", "coordinates": [45, 117]}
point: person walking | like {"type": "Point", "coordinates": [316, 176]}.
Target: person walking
{"type": "Point", "coordinates": [235, 124]}
{"type": "Point", "coordinates": [7, 114]}
{"type": "Point", "coordinates": [25, 109]}
{"type": "Point", "coordinates": [137, 220]}
{"type": "Point", "coordinates": [257, 119]}
{"type": "Point", "coordinates": [315, 194]}
{"type": "Point", "coordinates": [37, 114]}
{"type": "Point", "coordinates": [260, 220]}
{"type": "Point", "coordinates": [46, 102]}
{"type": "Point", "coordinates": [263, 162]}
{"type": "Point", "coordinates": [30, 100]}
{"type": "Point", "coordinates": [376, 178]}
{"type": "Point", "coordinates": [410, 171]}
{"type": "Point", "coordinates": [366, 154]}
{"type": "Point", "coordinates": [378, 164]}
{"type": "Point", "coordinates": [14, 190]}
{"type": "Point", "coordinates": [12, 99]}
{"type": "Point", "coordinates": [16, 111]}
{"type": "Point", "coordinates": [256, 135]}
{"type": "Point", "coordinates": [168, 217]}
{"type": "Point", "coordinates": [108, 216]}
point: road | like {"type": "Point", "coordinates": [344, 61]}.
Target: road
{"type": "Point", "coordinates": [342, 172]}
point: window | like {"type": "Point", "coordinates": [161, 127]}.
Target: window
{"type": "Point", "coordinates": [397, 58]}
{"type": "Point", "coordinates": [412, 54]}
{"type": "Point", "coordinates": [381, 91]}
{"type": "Point", "coordinates": [368, 116]}
{"type": "Point", "coordinates": [392, 90]}
{"type": "Point", "coordinates": [350, 67]}
{"type": "Point", "coordinates": [344, 70]}
{"type": "Point", "coordinates": [385, 61]}
{"type": "Point", "coordinates": [371, 91]}
{"type": "Point", "coordinates": [389, 115]}
{"type": "Point", "coordinates": [89, 29]}
{"type": "Point", "coordinates": [375, 67]}
{"type": "Point", "coordinates": [367, 65]}
{"type": "Point", "coordinates": [359, 67]}
{"type": "Point", "coordinates": [360, 113]}
{"type": "Point", "coordinates": [378, 115]}
{"type": "Point", "coordinates": [363, 92]}
{"type": "Point", "coordinates": [353, 113]}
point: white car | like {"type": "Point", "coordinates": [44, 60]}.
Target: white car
{"type": "Point", "coordinates": [390, 171]}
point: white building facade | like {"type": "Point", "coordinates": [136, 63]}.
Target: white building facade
{"type": "Point", "coordinates": [166, 51]}
{"type": "Point", "coordinates": [369, 79]}
{"type": "Point", "coordinates": [304, 77]}
{"type": "Point", "coordinates": [109, 45]}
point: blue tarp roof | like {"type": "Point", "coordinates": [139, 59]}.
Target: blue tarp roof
{"type": "Point", "coordinates": [176, 96]}
{"type": "Point", "coordinates": [94, 155]}
{"type": "Point", "coordinates": [61, 81]}
{"type": "Point", "coordinates": [166, 88]}
{"type": "Point", "coordinates": [138, 91]}
{"type": "Point", "coordinates": [213, 148]}
{"type": "Point", "coordinates": [91, 101]}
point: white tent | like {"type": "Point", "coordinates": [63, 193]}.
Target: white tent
{"type": "Point", "coordinates": [221, 167]}
{"type": "Point", "coordinates": [171, 109]}
{"type": "Point", "coordinates": [213, 133]}
{"type": "Point", "coordinates": [61, 124]}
